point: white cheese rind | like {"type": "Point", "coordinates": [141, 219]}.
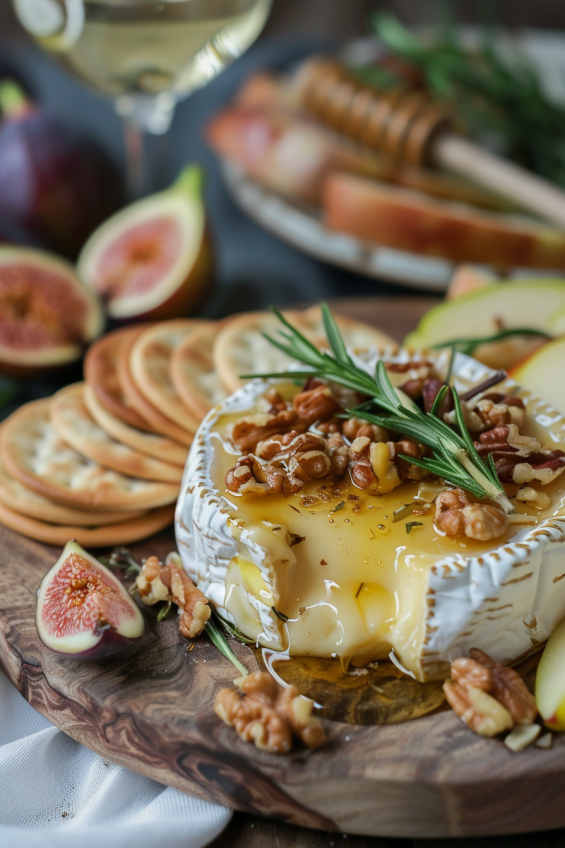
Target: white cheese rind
{"type": "Point", "coordinates": [505, 602]}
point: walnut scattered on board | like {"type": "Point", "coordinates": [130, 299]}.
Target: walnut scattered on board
{"type": "Point", "coordinates": [170, 582]}
{"type": "Point", "coordinates": [489, 697]}
{"type": "Point", "coordinates": [269, 715]}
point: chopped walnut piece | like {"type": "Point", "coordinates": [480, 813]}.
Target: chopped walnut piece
{"type": "Point", "coordinates": [479, 710]}
{"type": "Point", "coordinates": [338, 453]}
{"type": "Point", "coordinates": [316, 404]}
{"type": "Point", "coordinates": [354, 427]}
{"type": "Point", "coordinates": [406, 470]}
{"type": "Point", "coordinates": [456, 516]}
{"type": "Point", "coordinates": [250, 475]}
{"type": "Point", "coordinates": [268, 714]}
{"type": "Point", "coordinates": [282, 464]}
{"type": "Point", "coordinates": [252, 429]}
{"type": "Point", "coordinates": [488, 696]}
{"type": "Point", "coordinates": [508, 688]}
{"type": "Point", "coordinates": [280, 448]}
{"type": "Point", "coordinates": [530, 496]}
{"type": "Point", "coordinates": [169, 582]}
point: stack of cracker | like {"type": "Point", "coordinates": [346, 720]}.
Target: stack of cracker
{"type": "Point", "coordinates": [102, 461]}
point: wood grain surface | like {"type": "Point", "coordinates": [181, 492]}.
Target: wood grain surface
{"type": "Point", "coordinates": [150, 709]}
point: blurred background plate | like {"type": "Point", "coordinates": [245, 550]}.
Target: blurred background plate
{"type": "Point", "coordinates": [302, 226]}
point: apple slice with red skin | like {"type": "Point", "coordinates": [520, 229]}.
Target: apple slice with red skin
{"type": "Point", "coordinates": [82, 608]}
{"type": "Point", "coordinates": [153, 259]}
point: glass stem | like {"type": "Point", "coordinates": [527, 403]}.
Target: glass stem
{"type": "Point", "coordinates": [136, 162]}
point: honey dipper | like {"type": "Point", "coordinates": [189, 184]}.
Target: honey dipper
{"type": "Point", "coordinates": [406, 124]}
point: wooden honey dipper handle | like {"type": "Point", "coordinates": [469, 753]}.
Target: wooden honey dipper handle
{"type": "Point", "coordinates": [408, 125]}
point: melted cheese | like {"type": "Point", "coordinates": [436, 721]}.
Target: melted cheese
{"type": "Point", "coordinates": [350, 579]}
{"type": "Point", "coordinates": [427, 597]}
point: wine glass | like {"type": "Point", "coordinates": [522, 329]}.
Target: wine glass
{"type": "Point", "coordinates": [144, 54]}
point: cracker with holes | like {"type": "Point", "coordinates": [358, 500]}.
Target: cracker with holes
{"type": "Point", "coordinates": [160, 423]}
{"type": "Point", "coordinates": [150, 367]}
{"type": "Point", "coordinates": [240, 347]}
{"type": "Point", "coordinates": [100, 372]}
{"type": "Point", "coordinates": [150, 444]}
{"type": "Point", "coordinates": [193, 371]}
{"type": "Point", "coordinates": [121, 533]}
{"type": "Point", "coordinates": [75, 426]}
{"type": "Point", "coordinates": [34, 454]}
{"type": "Point", "coordinates": [25, 501]}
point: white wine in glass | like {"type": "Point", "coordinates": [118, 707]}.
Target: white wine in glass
{"type": "Point", "coordinates": [144, 55]}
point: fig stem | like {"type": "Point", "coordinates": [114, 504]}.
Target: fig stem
{"type": "Point", "coordinates": [13, 101]}
{"type": "Point", "coordinates": [190, 180]}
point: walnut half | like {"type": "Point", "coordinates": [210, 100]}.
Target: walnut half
{"type": "Point", "coordinates": [269, 715]}
{"type": "Point", "coordinates": [488, 696]}
{"type": "Point", "coordinates": [456, 516]}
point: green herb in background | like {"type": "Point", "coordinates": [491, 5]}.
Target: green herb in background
{"type": "Point", "coordinates": [493, 98]}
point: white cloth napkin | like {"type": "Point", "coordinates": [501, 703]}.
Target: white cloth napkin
{"type": "Point", "coordinates": [55, 793]}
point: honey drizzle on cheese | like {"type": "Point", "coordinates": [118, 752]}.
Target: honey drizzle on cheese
{"type": "Point", "coordinates": [354, 586]}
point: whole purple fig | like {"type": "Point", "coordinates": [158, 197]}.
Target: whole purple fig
{"type": "Point", "coordinates": [55, 184]}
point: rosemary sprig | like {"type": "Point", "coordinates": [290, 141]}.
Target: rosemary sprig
{"type": "Point", "coordinates": [219, 640]}
{"type": "Point", "coordinates": [469, 345]}
{"type": "Point", "coordinates": [454, 457]}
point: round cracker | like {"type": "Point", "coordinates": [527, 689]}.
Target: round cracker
{"type": "Point", "coordinates": [159, 422]}
{"type": "Point", "coordinates": [123, 533]}
{"type": "Point", "coordinates": [34, 454]}
{"type": "Point", "coordinates": [150, 367]}
{"type": "Point", "coordinates": [193, 371]}
{"type": "Point", "coordinates": [74, 424]}
{"type": "Point", "coordinates": [241, 348]}
{"type": "Point", "coordinates": [100, 371]}
{"type": "Point", "coordinates": [148, 443]}
{"type": "Point", "coordinates": [27, 502]}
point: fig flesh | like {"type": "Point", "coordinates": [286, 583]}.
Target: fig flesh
{"type": "Point", "coordinates": [55, 184]}
{"type": "Point", "coordinates": [82, 608]}
{"type": "Point", "coordinates": [152, 260]}
{"type": "Point", "coordinates": [47, 316]}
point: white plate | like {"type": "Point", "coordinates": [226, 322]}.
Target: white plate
{"type": "Point", "coordinates": [302, 227]}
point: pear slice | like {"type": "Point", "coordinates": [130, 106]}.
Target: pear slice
{"type": "Point", "coordinates": [550, 680]}
{"type": "Point", "coordinates": [523, 303]}
{"type": "Point", "coordinates": [542, 374]}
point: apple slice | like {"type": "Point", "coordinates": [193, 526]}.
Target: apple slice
{"type": "Point", "coordinates": [557, 322]}
{"type": "Point", "coordinates": [542, 373]}
{"type": "Point", "coordinates": [522, 303]}
{"type": "Point", "coordinates": [467, 279]}
{"type": "Point", "coordinates": [550, 680]}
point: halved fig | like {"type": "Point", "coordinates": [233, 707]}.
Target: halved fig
{"type": "Point", "coordinates": [47, 316]}
{"type": "Point", "coordinates": [153, 259]}
{"type": "Point", "coordinates": [82, 608]}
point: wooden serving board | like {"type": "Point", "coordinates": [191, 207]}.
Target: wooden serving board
{"type": "Point", "coordinates": [150, 709]}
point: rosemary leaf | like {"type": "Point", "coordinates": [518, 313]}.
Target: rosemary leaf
{"type": "Point", "coordinates": [219, 640]}
{"type": "Point", "coordinates": [164, 610]}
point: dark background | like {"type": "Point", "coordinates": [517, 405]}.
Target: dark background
{"type": "Point", "coordinates": [344, 18]}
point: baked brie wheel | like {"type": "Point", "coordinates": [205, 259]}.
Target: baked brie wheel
{"type": "Point", "coordinates": [332, 565]}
